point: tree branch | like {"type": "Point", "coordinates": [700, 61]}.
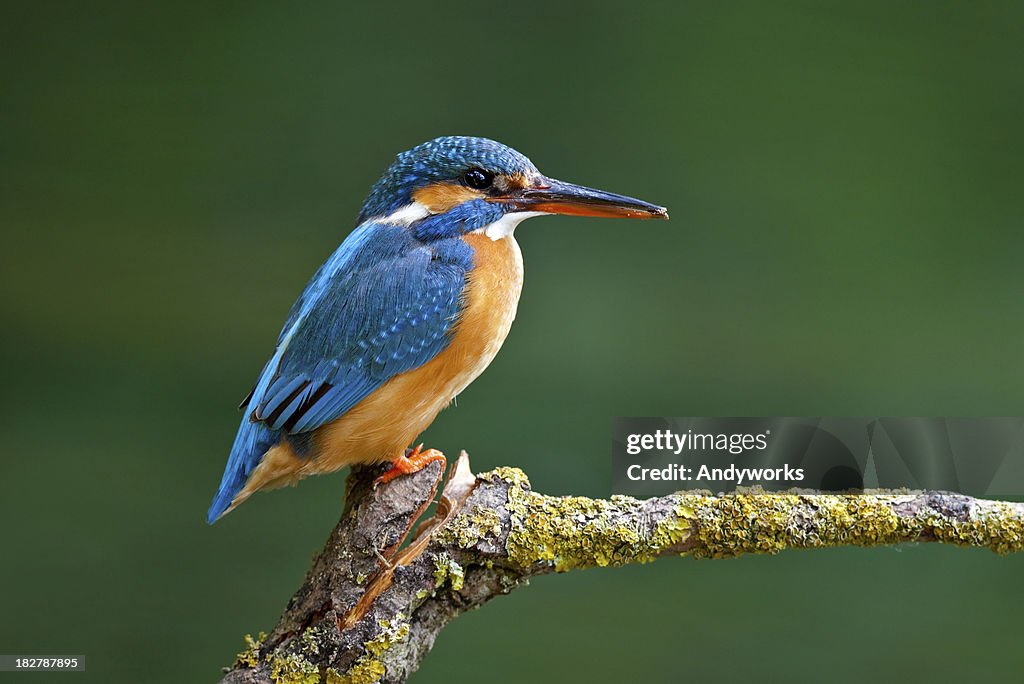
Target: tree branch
{"type": "Point", "coordinates": [368, 612]}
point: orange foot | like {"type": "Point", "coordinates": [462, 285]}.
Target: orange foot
{"type": "Point", "coordinates": [415, 461]}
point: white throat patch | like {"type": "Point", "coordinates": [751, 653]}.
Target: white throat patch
{"type": "Point", "coordinates": [407, 215]}
{"type": "Point", "coordinates": [506, 225]}
{"type": "Point", "coordinates": [502, 228]}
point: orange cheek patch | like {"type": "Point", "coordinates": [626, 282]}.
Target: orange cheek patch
{"type": "Point", "coordinates": [442, 197]}
{"type": "Point", "coordinates": [519, 180]}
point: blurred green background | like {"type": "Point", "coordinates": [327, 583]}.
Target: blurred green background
{"type": "Point", "coordinates": [845, 186]}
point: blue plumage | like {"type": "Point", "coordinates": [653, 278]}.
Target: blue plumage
{"type": "Point", "coordinates": [439, 160]}
{"type": "Point", "coordinates": [383, 304]}
{"type": "Point", "coordinates": [462, 219]}
{"type": "Point", "coordinates": [387, 301]}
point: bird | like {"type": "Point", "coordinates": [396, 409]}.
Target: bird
{"type": "Point", "coordinates": [410, 309]}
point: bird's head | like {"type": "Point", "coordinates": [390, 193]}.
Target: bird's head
{"type": "Point", "coordinates": [454, 185]}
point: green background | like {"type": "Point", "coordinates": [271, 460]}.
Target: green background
{"type": "Point", "coordinates": [846, 236]}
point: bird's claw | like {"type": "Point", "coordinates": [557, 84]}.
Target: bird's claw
{"type": "Point", "coordinates": [413, 462]}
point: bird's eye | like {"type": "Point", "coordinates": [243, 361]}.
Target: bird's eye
{"type": "Point", "coordinates": [479, 179]}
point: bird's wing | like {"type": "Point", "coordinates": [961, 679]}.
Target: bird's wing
{"type": "Point", "coordinates": [382, 305]}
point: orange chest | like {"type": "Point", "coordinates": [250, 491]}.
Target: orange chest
{"type": "Point", "coordinates": [492, 291]}
{"type": "Point", "coordinates": [497, 275]}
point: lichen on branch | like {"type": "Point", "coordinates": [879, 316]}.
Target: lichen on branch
{"type": "Point", "coordinates": [369, 612]}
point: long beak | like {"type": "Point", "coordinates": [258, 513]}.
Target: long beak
{"type": "Point", "coordinates": [555, 197]}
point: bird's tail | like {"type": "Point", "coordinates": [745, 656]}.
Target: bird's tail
{"type": "Point", "coordinates": [251, 443]}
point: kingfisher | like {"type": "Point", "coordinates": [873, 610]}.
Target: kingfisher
{"type": "Point", "coordinates": [405, 314]}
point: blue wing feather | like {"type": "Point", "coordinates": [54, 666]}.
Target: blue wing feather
{"type": "Point", "coordinates": [363, 321]}
{"type": "Point", "coordinates": [383, 304]}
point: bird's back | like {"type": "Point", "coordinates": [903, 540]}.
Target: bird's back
{"type": "Point", "coordinates": [385, 335]}
{"type": "Point", "coordinates": [382, 304]}
{"type": "Point", "coordinates": [407, 312]}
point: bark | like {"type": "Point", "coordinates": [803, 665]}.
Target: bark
{"type": "Point", "coordinates": [369, 610]}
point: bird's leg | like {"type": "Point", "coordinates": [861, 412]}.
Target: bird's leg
{"type": "Point", "coordinates": [414, 461]}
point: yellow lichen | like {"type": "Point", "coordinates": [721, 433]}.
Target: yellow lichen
{"type": "Point", "coordinates": [457, 576]}
{"type": "Point", "coordinates": [513, 475]}
{"type": "Point", "coordinates": [740, 523]}
{"type": "Point", "coordinates": [756, 522]}
{"type": "Point", "coordinates": [469, 528]}
{"type": "Point", "coordinates": [997, 526]}
{"type": "Point", "coordinates": [365, 671]}
{"type": "Point", "coordinates": [250, 657]}
{"type": "Point", "coordinates": [310, 641]}
{"type": "Point", "coordinates": [574, 532]}
{"type": "Point", "coordinates": [292, 668]}
{"type": "Point", "coordinates": [370, 666]}
{"type": "Point", "coordinates": [577, 532]}
{"type": "Point", "coordinates": [446, 568]}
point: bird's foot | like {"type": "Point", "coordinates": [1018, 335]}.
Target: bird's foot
{"type": "Point", "coordinates": [414, 461]}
